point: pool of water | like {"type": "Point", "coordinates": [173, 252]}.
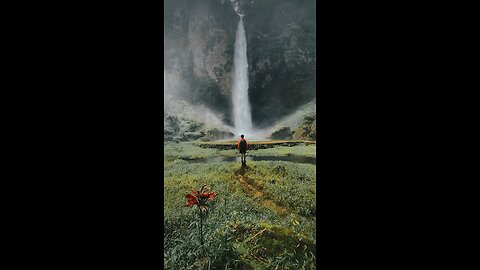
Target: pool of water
{"type": "Point", "coordinates": [292, 158]}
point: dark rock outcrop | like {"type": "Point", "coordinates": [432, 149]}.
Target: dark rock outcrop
{"type": "Point", "coordinates": [308, 129]}
{"type": "Point", "coordinates": [217, 134]}
{"type": "Point", "coordinates": [283, 133]}
{"type": "Point", "coordinates": [178, 128]}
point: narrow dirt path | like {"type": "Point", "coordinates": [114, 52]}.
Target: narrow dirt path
{"type": "Point", "coordinates": [257, 192]}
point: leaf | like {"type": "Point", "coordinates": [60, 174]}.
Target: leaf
{"type": "Point", "coordinates": [254, 264]}
{"type": "Point", "coordinates": [241, 248]}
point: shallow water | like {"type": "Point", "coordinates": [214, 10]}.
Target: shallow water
{"type": "Point", "coordinates": [291, 158]}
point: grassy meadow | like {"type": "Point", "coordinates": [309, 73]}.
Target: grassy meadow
{"type": "Point", "coordinates": [264, 215]}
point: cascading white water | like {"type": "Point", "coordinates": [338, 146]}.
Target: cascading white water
{"type": "Point", "coordinates": [242, 117]}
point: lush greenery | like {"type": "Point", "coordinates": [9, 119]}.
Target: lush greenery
{"type": "Point", "coordinates": [264, 216]}
{"type": "Point", "coordinates": [186, 151]}
{"type": "Point", "coordinates": [298, 150]}
{"type": "Point", "coordinates": [189, 151]}
{"type": "Point", "coordinates": [308, 129]}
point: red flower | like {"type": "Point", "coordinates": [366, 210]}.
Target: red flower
{"type": "Point", "coordinates": [200, 199]}
{"type": "Point", "coordinates": [191, 200]}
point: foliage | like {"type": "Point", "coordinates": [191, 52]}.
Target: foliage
{"type": "Point", "coordinates": [308, 129]}
{"type": "Point", "coordinates": [186, 150]}
{"type": "Point", "coordinates": [243, 231]}
{"type": "Point", "coordinates": [190, 151]}
{"type": "Point", "coordinates": [297, 150]}
{"type": "Point", "coordinates": [281, 134]}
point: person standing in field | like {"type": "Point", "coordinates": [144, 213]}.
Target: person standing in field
{"type": "Point", "coordinates": [242, 146]}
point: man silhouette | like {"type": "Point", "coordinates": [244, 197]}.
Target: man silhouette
{"type": "Point", "coordinates": [242, 147]}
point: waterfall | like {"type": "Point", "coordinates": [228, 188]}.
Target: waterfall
{"type": "Point", "coordinates": [242, 118]}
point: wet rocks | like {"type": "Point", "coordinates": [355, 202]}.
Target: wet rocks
{"type": "Point", "coordinates": [217, 134]}
{"type": "Point", "coordinates": [283, 133]}
{"type": "Point", "coordinates": [308, 129]}
{"type": "Point", "coordinates": [178, 128]}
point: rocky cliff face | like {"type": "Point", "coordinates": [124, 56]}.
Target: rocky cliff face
{"type": "Point", "coordinates": [199, 47]}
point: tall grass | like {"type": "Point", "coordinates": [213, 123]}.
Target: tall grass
{"type": "Point", "coordinates": [241, 233]}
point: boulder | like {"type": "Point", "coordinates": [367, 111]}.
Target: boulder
{"type": "Point", "coordinates": [189, 136]}
{"type": "Point", "coordinates": [217, 134]}
{"type": "Point", "coordinates": [283, 133]}
{"type": "Point", "coordinates": [178, 128]}
{"type": "Point", "coordinates": [308, 129]}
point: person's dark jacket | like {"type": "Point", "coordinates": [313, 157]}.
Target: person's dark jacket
{"type": "Point", "coordinates": [242, 145]}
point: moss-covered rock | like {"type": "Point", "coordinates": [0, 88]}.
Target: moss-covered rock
{"type": "Point", "coordinates": [283, 133]}
{"type": "Point", "coordinates": [177, 128]}
{"type": "Point", "coordinates": [180, 128]}
{"type": "Point", "coordinates": [308, 129]}
{"type": "Point", "coordinates": [217, 134]}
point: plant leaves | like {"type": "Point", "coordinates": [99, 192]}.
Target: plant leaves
{"type": "Point", "coordinates": [241, 248]}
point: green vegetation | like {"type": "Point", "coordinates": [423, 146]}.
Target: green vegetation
{"type": "Point", "coordinates": [308, 129]}
{"type": "Point", "coordinates": [186, 151]}
{"type": "Point", "coordinates": [298, 150]}
{"type": "Point", "coordinates": [271, 142]}
{"type": "Point", "coordinates": [264, 216]}
{"type": "Point", "coordinates": [189, 151]}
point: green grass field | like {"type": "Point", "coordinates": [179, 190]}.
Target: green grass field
{"type": "Point", "coordinates": [264, 217]}
{"type": "Point", "coordinates": [189, 150]}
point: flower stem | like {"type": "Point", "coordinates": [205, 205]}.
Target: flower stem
{"type": "Point", "coordinates": [201, 225]}
{"type": "Point", "coordinates": [225, 232]}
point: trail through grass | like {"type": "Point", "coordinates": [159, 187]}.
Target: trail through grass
{"type": "Point", "coordinates": [264, 217]}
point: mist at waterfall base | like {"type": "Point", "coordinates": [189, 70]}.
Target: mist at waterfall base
{"type": "Point", "coordinates": [174, 102]}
